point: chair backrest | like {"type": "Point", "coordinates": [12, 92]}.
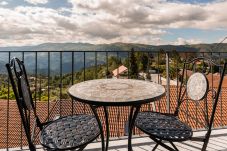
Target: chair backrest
{"type": "Point", "coordinates": [21, 89]}
{"type": "Point", "coordinates": [200, 84]}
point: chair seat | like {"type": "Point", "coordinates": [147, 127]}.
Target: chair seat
{"type": "Point", "coordinates": [164, 127]}
{"type": "Point", "coordinates": [70, 132]}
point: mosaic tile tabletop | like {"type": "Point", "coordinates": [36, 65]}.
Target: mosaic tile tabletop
{"type": "Point", "coordinates": [116, 90]}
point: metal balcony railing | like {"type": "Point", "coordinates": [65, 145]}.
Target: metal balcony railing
{"type": "Point", "coordinates": [52, 72]}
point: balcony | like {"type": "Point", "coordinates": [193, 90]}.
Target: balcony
{"type": "Point", "coordinates": [51, 73]}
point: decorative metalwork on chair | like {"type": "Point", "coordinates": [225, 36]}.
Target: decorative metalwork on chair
{"type": "Point", "coordinates": [196, 88]}
{"type": "Point", "coordinates": [65, 133]}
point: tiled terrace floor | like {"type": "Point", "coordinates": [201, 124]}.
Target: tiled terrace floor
{"type": "Point", "coordinates": [218, 142]}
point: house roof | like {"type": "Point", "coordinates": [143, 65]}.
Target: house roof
{"type": "Point", "coordinates": [12, 121]}
{"type": "Point", "coordinates": [212, 78]}
{"type": "Point", "coordinates": [119, 70]}
{"type": "Point", "coordinates": [215, 78]}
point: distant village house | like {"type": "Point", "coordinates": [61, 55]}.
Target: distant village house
{"type": "Point", "coordinates": [121, 71]}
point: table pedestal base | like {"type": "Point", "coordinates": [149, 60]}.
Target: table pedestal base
{"type": "Point", "coordinates": [132, 117]}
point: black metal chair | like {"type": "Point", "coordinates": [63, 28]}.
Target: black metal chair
{"type": "Point", "coordinates": [66, 133]}
{"type": "Point", "coordinates": [196, 88]}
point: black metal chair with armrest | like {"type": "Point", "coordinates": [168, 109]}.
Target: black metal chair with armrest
{"type": "Point", "coordinates": [73, 132]}
{"type": "Point", "coordinates": [195, 88]}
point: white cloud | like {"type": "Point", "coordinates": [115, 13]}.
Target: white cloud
{"type": "Point", "coordinates": [33, 25]}
{"type": "Point", "coordinates": [3, 3]}
{"type": "Point", "coordinates": [106, 21]}
{"type": "Point", "coordinates": [156, 13]}
{"type": "Point", "coordinates": [35, 2]}
{"type": "Point", "coordinates": [182, 41]}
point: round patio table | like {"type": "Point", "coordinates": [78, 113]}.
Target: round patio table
{"type": "Point", "coordinates": [116, 92]}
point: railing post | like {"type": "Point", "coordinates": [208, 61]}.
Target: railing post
{"type": "Point", "coordinates": [167, 84]}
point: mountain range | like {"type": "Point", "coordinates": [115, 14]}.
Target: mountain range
{"type": "Point", "coordinates": [116, 47]}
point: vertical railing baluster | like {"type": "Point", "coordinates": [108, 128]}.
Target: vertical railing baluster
{"type": "Point", "coordinates": [186, 73]}
{"type": "Point", "coordinates": [72, 80]}
{"type": "Point", "coordinates": [167, 84]}
{"type": "Point", "coordinates": [96, 74]}
{"type": "Point", "coordinates": [84, 65]}
{"type": "Point", "coordinates": [159, 80]}
{"type": "Point", "coordinates": [84, 106]}
{"type": "Point", "coordinates": [48, 90]}
{"type": "Point", "coordinates": [177, 64]}
{"type": "Point", "coordinates": [60, 83]}
{"type": "Point", "coordinates": [107, 70]}
{"type": "Point", "coordinates": [40, 88]}
{"type": "Point", "coordinates": [36, 72]}
{"type": "Point", "coordinates": [7, 116]}
{"type": "Point", "coordinates": [159, 76]}
{"type": "Point", "coordinates": [117, 64]}
{"type": "Point", "coordinates": [128, 65]}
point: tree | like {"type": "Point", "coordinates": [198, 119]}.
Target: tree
{"type": "Point", "coordinates": [133, 72]}
{"type": "Point", "coordinates": [144, 61]}
{"type": "Point", "coordinates": [108, 74]}
{"type": "Point", "coordinates": [174, 55]}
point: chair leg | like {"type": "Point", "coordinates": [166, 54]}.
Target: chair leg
{"type": "Point", "coordinates": [81, 148]}
{"type": "Point", "coordinates": [159, 142]}
{"type": "Point", "coordinates": [174, 146]}
{"type": "Point", "coordinates": [155, 147]}
{"type": "Point", "coordinates": [32, 147]}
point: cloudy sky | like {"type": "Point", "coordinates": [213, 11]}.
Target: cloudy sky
{"type": "Point", "coordinates": [155, 22]}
